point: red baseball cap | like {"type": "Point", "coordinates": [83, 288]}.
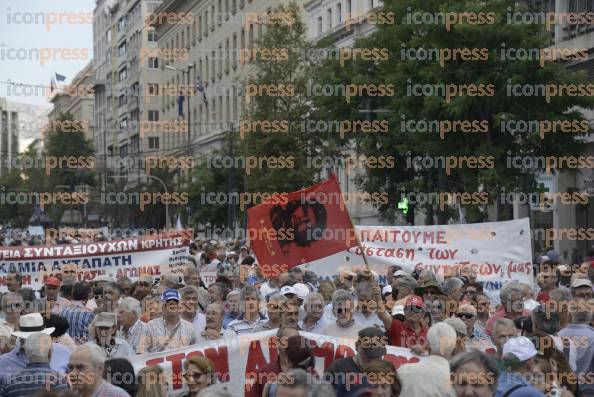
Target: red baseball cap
{"type": "Point", "coordinates": [415, 300]}
{"type": "Point", "coordinates": [52, 281]}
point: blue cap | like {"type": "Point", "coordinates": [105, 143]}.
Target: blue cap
{"type": "Point", "coordinates": [170, 294]}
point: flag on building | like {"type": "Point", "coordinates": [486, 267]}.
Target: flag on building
{"type": "Point", "coordinates": [301, 227]}
{"type": "Point", "coordinates": [180, 105]}
{"type": "Point", "coordinates": [60, 77]}
{"type": "Point", "coordinates": [200, 88]}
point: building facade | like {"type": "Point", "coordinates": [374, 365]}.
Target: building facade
{"type": "Point", "coordinates": [343, 21]}
{"type": "Point", "coordinates": [9, 136]}
{"type": "Point", "coordinates": [124, 70]}
{"type": "Point", "coordinates": [77, 100]}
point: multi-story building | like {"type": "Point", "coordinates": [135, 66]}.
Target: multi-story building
{"type": "Point", "coordinates": [208, 46]}
{"type": "Point", "coordinates": [343, 21]}
{"type": "Point", "coordinates": [125, 71]}
{"type": "Point", "coordinates": [76, 100]}
{"type": "Point", "coordinates": [9, 136]}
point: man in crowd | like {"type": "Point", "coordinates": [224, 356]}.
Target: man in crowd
{"type": "Point", "coordinates": [217, 292]}
{"type": "Point", "coordinates": [503, 330]}
{"type": "Point", "coordinates": [77, 314]}
{"type": "Point", "coordinates": [189, 308]}
{"type": "Point", "coordinates": [314, 320]}
{"type": "Point", "coordinates": [232, 307]}
{"type": "Point", "coordinates": [343, 307]}
{"type": "Point", "coordinates": [581, 332]}
{"type": "Point", "coordinates": [16, 359]}
{"type": "Point", "coordinates": [274, 309]}
{"type": "Point", "coordinates": [104, 335]}
{"type": "Point", "coordinates": [476, 338]}
{"type": "Point", "coordinates": [410, 332]}
{"type": "Point", "coordinates": [547, 281]}
{"type": "Point", "coordinates": [512, 304]}
{"type": "Point", "coordinates": [14, 281]}
{"type": "Point", "coordinates": [370, 347]}
{"type": "Point", "coordinates": [518, 359]}
{"type": "Point", "coordinates": [37, 375]}
{"type": "Point", "coordinates": [69, 273]}
{"type": "Point", "coordinates": [403, 287]}
{"type": "Point", "coordinates": [250, 316]}
{"type": "Point", "coordinates": [142, 287]}
{"type": "Point", "coordinates": [131, 328]}
{"type": "Point", "coordinates": [214, 323]}
{"type": "Point", "coordinates": [169, 331]}
{"type": "Point", "coordinates": [192, 278]}
{"type": "Point", "coordinates": [112, 295]}
{"type": "Point", "coordinates": [86, 373]}
{"type": "Point", "coordinates": [52, 301]}
{"type": "Point", "coordinates": [367, 306]}
{"type": "Point", "coordinates": [12, 308]}
{"type": "Point", "coordinates": [431, 377]}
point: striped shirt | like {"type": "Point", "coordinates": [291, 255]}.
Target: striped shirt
{"type": "Point", "coordinates": [79, 319]}
{"type": "Point", "coordinates": [241, 326]}
{"type": "Point", "coordinates": [134, 335]}
{"type": "Point", "coordinates": [35, 377]}
{"type": "Point", "coordinates": [158, 337]}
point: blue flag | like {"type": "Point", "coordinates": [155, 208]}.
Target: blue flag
{"type": "Point", "coordinates": [60, 77]}
{"type": "Point", "coordinates": [180, 105]}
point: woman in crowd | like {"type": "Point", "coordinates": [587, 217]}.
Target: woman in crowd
{"type": "Point", "coordinates": [152, 382]}
{"type": "Point", "coordinates": [199, 373]}
{"type": "Point", "coordinates": [120, 372]}
{"type": "Point", "coordinates": [474, 374]}
{"type": "Point", "coordinates": [546, 380]}
{"type": "Point", "coordinates": [383, 378]}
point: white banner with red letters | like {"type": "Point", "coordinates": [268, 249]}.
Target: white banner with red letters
{"type": "Point", "coordinates": [496, 251]}
{"type": "Point", "coordinates": [239, 361]}
{"type": "Point", "coordinates": [162, 254]}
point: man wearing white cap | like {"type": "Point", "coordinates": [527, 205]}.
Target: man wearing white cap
{"type": "Point", "coordinates": [16, 359]}
{"type": "Point", "coordinates": [518, 357]}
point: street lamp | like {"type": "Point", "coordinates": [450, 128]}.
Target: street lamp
{"type": "Point", "coordinates": [186, 72]}
{"type": "Point", "coordinates": [167, 220]}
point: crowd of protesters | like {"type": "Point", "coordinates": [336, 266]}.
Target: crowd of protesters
{"type": "Point", "coordinates": [72, 337]}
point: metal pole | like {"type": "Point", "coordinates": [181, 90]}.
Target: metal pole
{"type": "Point", "coordinates": [189, 111]}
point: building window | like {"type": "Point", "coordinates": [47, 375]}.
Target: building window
{"type": "Point", "coordinates": [152, 35]}
{"type": "Point", "coordinates": [153, 142]}
{"type": "Point", "coordinates": [123, 74]}
{"type": "Point", "coordinates": [319, 26]}
{"type": "Point", "coordinates": [124, 150]}
{"type": "Point", "coordinates": [153, 115]}
{"type": "Point", "coordinates": [339, 13]}
{"type": "Point", "coordinates": [153, 89]}
{"type": "Point", "coordinates": [199, 27]}
{"type": "Point", "coordinates": [329, 18]}
{"type": "Point", "coordinates": [153, 63]}
{"type": "Point", "coordinates": [123, 124]}
{"type": "Point", "coordinates": [349, 9]}
{"type": "Point", "coordinates": [227, 55]}
{"type": "Point", "coordinates": [235, 50]}
{"type": "Point", "coordinates": [206, 23]}
{"type": "Point", "coordinates": [122, 49]}
{"type": "Point", "coordinates": [251, 36]}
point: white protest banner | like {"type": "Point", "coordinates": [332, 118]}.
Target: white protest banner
{"type": "Point", "coordinates": [496, 251]}
{"type": "Point", "coordinates": [240, 360]}
{"type": "Point", "coordinates": [208, 276]}
{"type": "Point", "coordinates": [162, 254]}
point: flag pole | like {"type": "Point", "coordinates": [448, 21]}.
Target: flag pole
{"type": "Point", "coordinates": [353, 226]}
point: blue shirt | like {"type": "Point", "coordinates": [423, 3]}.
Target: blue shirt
{"type": "Point", "coordinates": [228, 318]}
{"type": "Point", "coordinates": [15, 360]}
{"type": "Point", "coordinates": [79, 318]}
{"type": "Point", "coordinates": [36, 376]}
{"type": "Point", "coordinates": [507, 380]}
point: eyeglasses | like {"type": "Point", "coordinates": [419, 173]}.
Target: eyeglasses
{"type": "Point", "coordinates": [99, 297]}
{"type": "Point", "coordinates": [316, 306]}
{"type": "Point", "coordinates": [466, 316]}
{"type": "Point", "coordinates": [414, 309]}
{"type": "Point", "coordinates": [14, 306]}
{"type": "Point", "coordinates": [342, 310]}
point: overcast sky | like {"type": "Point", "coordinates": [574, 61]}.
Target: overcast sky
{"type": "Point", "coordinates": [75, 35]}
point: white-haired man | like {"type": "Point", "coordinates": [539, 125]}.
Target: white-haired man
{"type": "Point", "coordinates": [104, 335]}
{"type": "Point", "coordinates": [518, 359]}
{"type": "Point", "coordinates": [37, 375]}
{"type": "Point", "coordinates": [85, 373]}
{"type": "Point", "coordinates": [131, 328]}
{"type": "Point", "coordinates": [343, 308]}
{"type": "Point", "coordinates": [314, 320]}
{"type": "Point", "coordinates": [431, 376]}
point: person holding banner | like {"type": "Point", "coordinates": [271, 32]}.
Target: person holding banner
{"type": "Point", "coordinates": [214, 323]}
{"type": "Point", "coordinates": [411, 332]}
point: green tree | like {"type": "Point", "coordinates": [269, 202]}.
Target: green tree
{"type": "Point", "coordinates": [497, 142]}
{"type": "Point", "coordinates": [289, 76]}
{"type": "Point", "coordinates": [70, 162]}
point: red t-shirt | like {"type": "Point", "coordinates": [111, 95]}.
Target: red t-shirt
{"type": "Point", "coordinates": [543, 297]}
{"type": "Point", "coordinates": [401, 335]}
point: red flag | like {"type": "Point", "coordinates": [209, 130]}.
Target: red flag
{"type": "Point", "coordinates": [301, 227]}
